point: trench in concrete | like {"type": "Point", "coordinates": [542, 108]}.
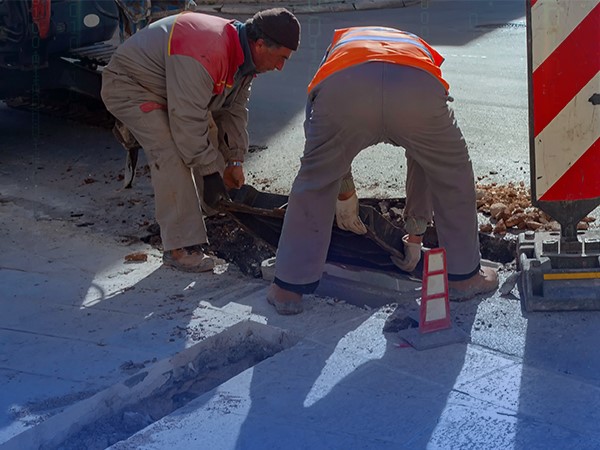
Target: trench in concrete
{"type": "Point", "coordinates": [121, 410]}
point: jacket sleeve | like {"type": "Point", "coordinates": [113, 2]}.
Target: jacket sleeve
{"type": "Point", "coordinates": [189, 91]}
{"type": "Point", "coordinates": [232, 122]}
{"type": "Point", "coordinates": [347, 184]}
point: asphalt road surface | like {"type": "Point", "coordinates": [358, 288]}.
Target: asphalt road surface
{"type": "Point", "coordinates": [484, 43]}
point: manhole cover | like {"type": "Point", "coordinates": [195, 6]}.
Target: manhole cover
{"type": "Point", "coordinates": [508, 25]}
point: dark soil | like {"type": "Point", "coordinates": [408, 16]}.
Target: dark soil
{"type": "Point", "coordinates": [229, 241]}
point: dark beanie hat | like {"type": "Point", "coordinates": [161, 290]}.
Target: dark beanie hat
{"type": "Point", "coordinates": [279, 25]}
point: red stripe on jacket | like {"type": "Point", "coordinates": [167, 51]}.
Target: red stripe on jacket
{"type": "Point", "coordinates": [210, 40]}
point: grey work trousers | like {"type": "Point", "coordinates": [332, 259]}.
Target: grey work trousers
{"type": "Point", "coordinates": [176, 194]}
{"type": "Point", "coordinates": [354, 109]}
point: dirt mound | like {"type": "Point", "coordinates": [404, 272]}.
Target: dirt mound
{"type": "Point", "coordinates": [509, 209]}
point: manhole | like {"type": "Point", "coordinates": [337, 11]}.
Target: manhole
{"type": "Point", "coordinates": [250, 232]}
{"type": "Point", "coordinates": [120, 411]}
{"type": "Point", "coordinates": [508, 25]}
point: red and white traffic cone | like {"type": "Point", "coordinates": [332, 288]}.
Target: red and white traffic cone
{"type": "Point", "coordinates": [435, 327]}
{"type": "Point", "coordinates": [435, 307]}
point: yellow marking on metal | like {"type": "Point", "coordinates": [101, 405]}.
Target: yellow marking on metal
{"type": "Point", "coordinates": [572, 276]}
{"type": "Point", "coordinates": [171, 36]}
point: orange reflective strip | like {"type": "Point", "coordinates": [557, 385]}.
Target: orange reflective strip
{"type": "Point", "coordinates": [354, 46]}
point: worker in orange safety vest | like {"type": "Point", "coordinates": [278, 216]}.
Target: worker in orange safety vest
{"type": "Point", "coordinates": [379, 84]}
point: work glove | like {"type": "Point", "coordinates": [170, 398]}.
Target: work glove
{"type": "Point", "coordinates": [346, 215]}
{"type": "Point", "coordinates": [412, 255]}
{"type": "Point", "coordinates": [214, 190]}
{"type": "Point", "coordinates": [233, 176]}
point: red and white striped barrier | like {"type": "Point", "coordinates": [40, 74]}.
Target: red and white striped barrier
{"type": "Point", "coordinates": [565, 87]}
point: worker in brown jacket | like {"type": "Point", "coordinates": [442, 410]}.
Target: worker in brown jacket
{"type": "Point", "coordinates": [165, 82]}
{"type": "Point", "coordinates": [379, 84]}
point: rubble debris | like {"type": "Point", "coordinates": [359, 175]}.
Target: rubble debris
{"type": "Point", "coordinates": [397, 322]}
{"type": "Point", "coordinates": [509, 284]}
{"type": "Point", "coordinates": [136, 257]}
{"type": "Point", "coordinates": [509, 208]}
{"type": "Point", "coordinates": [253, 148]}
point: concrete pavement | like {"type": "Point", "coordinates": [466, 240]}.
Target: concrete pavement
{"type": "Point", "coordinates": [363, 391]}
{"type": "Point", "coordinates": [95, 350]}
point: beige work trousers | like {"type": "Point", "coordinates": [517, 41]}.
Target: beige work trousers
{"type": "Point", "coordinates": [354, 109]}
{"type": "Point", "coordinates": [178, 208]}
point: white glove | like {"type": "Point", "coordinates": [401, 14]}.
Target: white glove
{"type": "Point", "coordinates": [346, 215]}
{"type": "Point", "coordinates": [412, 255]}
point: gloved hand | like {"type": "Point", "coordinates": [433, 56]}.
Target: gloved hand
{"type": "Point", "coordinates": [412, 255]}
{"type": "Point", "coordinates": [233, 176]}
{"type": "Point", "coordinates": [346, 215]}
{"type": "Point", "coordinates": [214, 190]}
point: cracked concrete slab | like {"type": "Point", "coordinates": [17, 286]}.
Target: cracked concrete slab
{"type": "Point", "coordinates": [395, 398]}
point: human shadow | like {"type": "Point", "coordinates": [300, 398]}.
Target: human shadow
{"type": "Point", "coordinates": [557, 386]}
{"type": "Point", "coordinates": [354, 386]}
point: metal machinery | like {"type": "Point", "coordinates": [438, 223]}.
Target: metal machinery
{"type": "Point", "coordinates": [48, 47]}
{"type": "Point", "coordinates": [52, 51]}
{"type": "Point", "coordinates": [561, 270]}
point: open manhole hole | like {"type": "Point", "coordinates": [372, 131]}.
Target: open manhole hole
{"type": "Point", "coordinates": [120, 411]}
{"type": "Point", "coordinates": [246, 239]}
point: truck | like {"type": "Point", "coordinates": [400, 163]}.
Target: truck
{"type": "Point", "coordinates": [52, 51]}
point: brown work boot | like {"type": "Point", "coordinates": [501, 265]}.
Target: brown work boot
{"type": "Point", "coordinates": [190, 259]}
{"type": "Point", "coordinates": [486, 280]}
{"type": "Point", "coordinates": [285, 302]}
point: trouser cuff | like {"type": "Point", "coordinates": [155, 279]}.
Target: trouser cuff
{"type": "Point", "coordinates": [466, 276]}
{"type": "Point", "coordinates": [347, 185]}
{"type": "Point", "coordinates": [297, 288]}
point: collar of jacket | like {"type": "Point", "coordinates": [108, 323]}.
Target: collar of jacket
{"type": "Point", "coordinates": [248, 67]}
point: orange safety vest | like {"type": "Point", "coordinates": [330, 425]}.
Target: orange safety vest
{"type": "Point", "coordinates": [357, 45]}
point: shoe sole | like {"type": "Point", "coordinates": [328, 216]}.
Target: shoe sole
{"type": "Point", "coordinates": [286, 308]}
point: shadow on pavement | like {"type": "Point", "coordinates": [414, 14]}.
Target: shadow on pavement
{"type": "Point", "coordinates": [351, 386]}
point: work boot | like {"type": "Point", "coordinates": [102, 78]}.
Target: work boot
{"type": "Point", "coordinates": [486, 280]}
{"type": "Point", "coordinates": [285, 302]}
{"type": "Point", "coordinates": [190, 259]}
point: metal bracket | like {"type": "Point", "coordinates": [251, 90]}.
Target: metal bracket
{"type": "Point", "coordinates": [559, 274]}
